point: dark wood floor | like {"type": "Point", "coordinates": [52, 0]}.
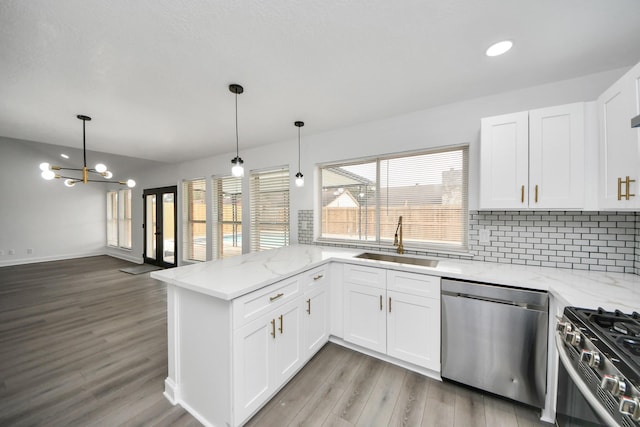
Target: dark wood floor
{"type": "Point", "coordinates": [82, 344]}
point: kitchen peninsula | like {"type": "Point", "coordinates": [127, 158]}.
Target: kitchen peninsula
{"type": "Point", "coordinates": [237, 330]}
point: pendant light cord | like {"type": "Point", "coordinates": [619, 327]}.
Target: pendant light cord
{"type": "Point", "coordinates": [84, 144]}
{"type": "Point", "coordinates": [298, 148]}
{"type": "Point", "coordinates": [237, 146]}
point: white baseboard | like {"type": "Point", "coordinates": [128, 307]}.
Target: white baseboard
{"type": "Point", "coordinates": [125, 256]}
{"type": "Point", "coordinates": [33, 260]}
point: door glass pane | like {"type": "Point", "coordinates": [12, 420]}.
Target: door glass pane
{"type": "Point", "coordinates": [151, 226]}
{"type": "Point", "coordinates": [168, 228]}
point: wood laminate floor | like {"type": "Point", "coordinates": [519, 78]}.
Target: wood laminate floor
{"type": "Point", "coordinates": [83, 344]}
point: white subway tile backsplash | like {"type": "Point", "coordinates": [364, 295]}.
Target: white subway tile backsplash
{"type": "Point", "coordinates": [601, 241]}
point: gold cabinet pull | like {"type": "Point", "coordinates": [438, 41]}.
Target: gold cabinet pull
{"type": "Point", "coordinates": [309, 306]}
{"type": "Point", "coordinates": [619, 188]}
{"type": "Point", "coordinates": [522, 194]}
{"type": "Point", "coordinates": [536, 193]}
{"type": "Point", "coordinates": [318, 277]}
{"type": "Point", "coordinates": [389, 304]}
{"type": "Point", "coordinates": [273, 328]}
{"type": "Point", "coordinates": [628, 182]}
{"type": "Point", "coordinates": [280, 328]}
{"type": "Point", "coordinates": [272, 299]}
{"type": "Point", "coordinates": [380, 302]}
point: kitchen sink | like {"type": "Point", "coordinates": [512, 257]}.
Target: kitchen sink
{"type": "Point", "coordinates": [399, 259]}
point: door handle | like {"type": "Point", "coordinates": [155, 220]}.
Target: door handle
{"type": "Point", "coordinates": [522, 194]}
{"type": "Point", "coordinates": [273, 328]}
{"type": "Point", "coordinates": [380, 302]}
{"type": "Point", "coordinates": [389, 304]}
{"type": "Point", "coordinates": [536, 193]}
{"type": "Point", "coordinates": [309, 306]}
{"type": "Point", "coordinates": [280, 324]}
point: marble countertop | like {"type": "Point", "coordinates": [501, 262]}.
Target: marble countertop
{"type": "Point", "coordinates": [230, 278]}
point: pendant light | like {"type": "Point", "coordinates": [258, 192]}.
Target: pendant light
{"type": "Point", "coordinates": [237, 170]}
{"type": "Point", "coordinates": [299, 176]}
{"type": "Point", "coordinates": [99, 170]}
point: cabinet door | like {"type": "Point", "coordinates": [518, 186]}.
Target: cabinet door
{"type": "Point", "coordinates": [288, 348]}
{"type": "Point", "coordinates": [556, 157]}
{"type": "Point", "coordinates": [316, 322]}
{"type": "Point", "coordinates": [252, 365]}
{"type": "Point", "coordinates": [365, 316]}
{"type": "Point", "coordinates": [413, 329]}
{"type": "Point", "coordinates": [619, 153]}
{"type": "Point", "coordinates": [504, 156]}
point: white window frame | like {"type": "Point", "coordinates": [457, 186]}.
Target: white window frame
{"type": "Point", "coordinates": [217, 220]}
{"type": "Point", "coordinates": [376, 240]}
{"type": "Point", "coordinates": [188, 245]}
{"type": "Point", "coordinates": [280, 187]}
{"type": "Point", "coordinates": [119, 219]}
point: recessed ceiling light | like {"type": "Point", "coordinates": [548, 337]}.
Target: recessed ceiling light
{"type": "Point", "coordinates": [64, 156]}
{"type": "Point", "coordinates": [499, 48]}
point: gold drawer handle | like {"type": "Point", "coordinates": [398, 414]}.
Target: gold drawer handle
{"type": "Point", "coordinates": [273, 328]}
{"type": "Point", "coordinates": [522, 194]}
{"type": "Point", "coordinates": [280, 324]}
{"type": "Point", "coordinates": [629, 181]}
{"type": "Point", "coordinates": [318, 277]}
{"type": "Point", "coordinates": [272, 299]}
{"type": "Point", "coordinates": [536, 193]}
{"type": "Point", "coordinates": [619, 188]}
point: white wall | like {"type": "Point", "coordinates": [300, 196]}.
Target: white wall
{"type": "Point", "coordinates": [55, 221]}
{"type": "Point", "coordinates": [452, 124]}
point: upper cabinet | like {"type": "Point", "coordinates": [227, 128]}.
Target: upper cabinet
{"type": "Point", "coordinates": [534, 159]}
{"type": "Point", "coordinates": [619, 154]}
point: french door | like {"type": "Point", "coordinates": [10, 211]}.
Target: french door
{"type": "Point", "coordinates": [160, 229]}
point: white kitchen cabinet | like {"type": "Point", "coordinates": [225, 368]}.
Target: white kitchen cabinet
{"type": "Point", "coordinates": [619, 143]}
{"type": "Point", "coordinates": [413, 329]}
{"type": "Point", "coordinates": [413, 318]}
{"type": "Point", "coordinates": [316, 320]}
{"type": "Point", "coordinates": [365, 319]}
{"type": "Point", "coordinates": [394, 313]}
{"type": "Point", "coordinates": [267, 352]}
{"type": "Point", "coordinates": [533, 159]}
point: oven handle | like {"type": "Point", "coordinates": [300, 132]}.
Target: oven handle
{"type": "Point", "coordinates": [584, 390]}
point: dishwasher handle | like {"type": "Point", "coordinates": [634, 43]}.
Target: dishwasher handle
{"type": "Point", "coordinates": [524, 305]}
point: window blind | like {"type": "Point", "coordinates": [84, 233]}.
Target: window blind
{"type": "Point", "coordinates": [124, 218]}
{"type": "Point", "coordinates": [226, 196]}
{"type": "Point", "coordinates": [112, 218]}
{"type": "Point", "coordinates": [194, 220]}
{"type": "Point", "coordinates": [269, 209]}
{"type": "Point", "coordinates": [363, 201]}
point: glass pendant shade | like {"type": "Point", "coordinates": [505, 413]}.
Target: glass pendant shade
{"type": "Point", "coordinates": [44, 166]}
{"type": "Point", "coordinates": [236, 169]}
{"type": "Point", "coordinates": [48, 174]}
{"type": "Point", "coordinates": [299, 180]}
{"type": "Point", "coordinates": [69, 182]}
{"type": "Point", "coordinates": [131, 183]}
{"type": "Point", "coordinates": [100, 168]}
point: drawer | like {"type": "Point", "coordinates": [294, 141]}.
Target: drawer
{"type": "Point", "coordinates": [368, 276]}
{"type": "Point", "coordinates": [413, 283]}
{"type": "Point", "coordinates": [251, 306]}
{"type": "Point", "coordinates": [315, 278]}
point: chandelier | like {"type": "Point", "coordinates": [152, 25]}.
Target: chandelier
{"type": "Point", "coordinates": [100, 169]}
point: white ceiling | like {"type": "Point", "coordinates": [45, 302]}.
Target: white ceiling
{"type": "Point", "coordinates": [153, 74]}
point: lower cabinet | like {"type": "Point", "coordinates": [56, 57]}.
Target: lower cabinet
{"type": "Point", "coordinates": [316, 320]}
{"type": "Point", "coordinates": [399, 316]}
{"type": "Point", "coordinates": [413, 329]}
{"type": "Point", "coordinates": [272, 348]}
{"type": "Point", "coordinates": [365, 319]}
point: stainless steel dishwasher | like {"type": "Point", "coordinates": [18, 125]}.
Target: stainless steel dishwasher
{"type": "Point", "coordinates": [495, 338]}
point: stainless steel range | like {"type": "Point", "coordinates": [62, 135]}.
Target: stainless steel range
{"type": "Point", "coordinates": [599, 378]}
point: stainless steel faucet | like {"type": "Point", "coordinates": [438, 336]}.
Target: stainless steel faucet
{"type": "Point", "coordinates": [397, 239]}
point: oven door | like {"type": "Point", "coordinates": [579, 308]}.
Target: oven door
{"type": "Point", "coordinates": [576, 405]}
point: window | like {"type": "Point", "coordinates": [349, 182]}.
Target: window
{"type": "Point", "coordinates": [226, 196]}
{"type": "Point", "coordinates": [194, 220]}
{"type": "Point", "coordinates": [362, 201]}
{"type": "Point", "coordinates": [119, 219]}
{"type": "Point", "coordinates": [269, 209]}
